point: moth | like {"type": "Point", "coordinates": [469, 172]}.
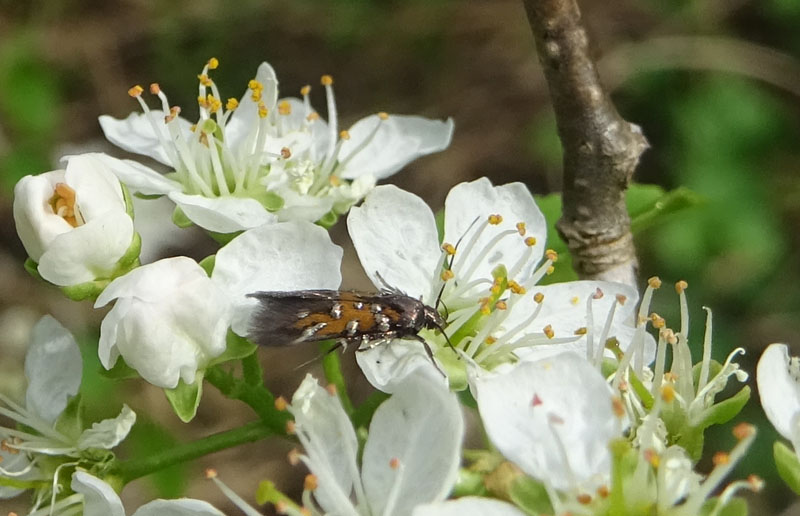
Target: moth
{"type": "Point", "coordinates": [366, 320]}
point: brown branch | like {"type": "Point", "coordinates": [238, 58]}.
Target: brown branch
{"type": "Point", "coordinates": [601, 149]}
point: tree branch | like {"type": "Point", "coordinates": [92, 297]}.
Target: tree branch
{"type": "Point", "coordinates": [601, 150]}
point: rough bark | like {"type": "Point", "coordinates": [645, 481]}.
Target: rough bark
{"type": "Point", "coordinates": [601, 149]}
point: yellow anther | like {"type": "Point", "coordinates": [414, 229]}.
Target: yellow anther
{"type": "Point", "coordinates": [310, 482]}
{"type": "Point", "coordinates": [281, 403]}
{"type": "Point", "coordinates": [291, 428]}
{"type": "Point", "coordinates": [174, 111]}
{"type": "Point", "coordinates": [485, 309]}
{"type": "Point", "coordinates": [621, 299]}
{"type": "Point", "coordinates": [449, 249]}
{"type": "Point", "coordinates": [598, 294]}
{"type": "Point", "coordinates": [284, 108]}
{"type": "Point", "coordinates": [326, 80]}
{"type": "Point", "coordinates": [193, 127]}
{"type": "Point", "coordinates": [256, 96]}
{"type": "Point", "coordinates": [652, 457]}
{"type": "Point", "coordinates": [551, 255]}
{"type": "Point", "coordinates": [584, 499]}
{"type": "Point", "coordinates": [550, 270]}
{"type": "Point", "coordinates": [581, 331]}
{"type": "Point", "coordinates": [495, 219]}
{"type": "Point", "coordinates": [331, 388]}
{"type": "Point", "coordinates": [335, 180]}
{"type": "Point", "coordinates": [286, 153]}
{"type": "Point", "coordinates": [231, 104]}
{"type": "Point", "coordinates": [530, 241]}
{"type": "Point", "coordinates": [344, 135]}
{"type": "Point", "coordinates": [668, 393]}
{"type": "Point", "coordinates": [204, 80]}
{"type": "Point", "coordinates": [538, 297]}
{"type": "Point", "coordinates": [262, 110]}
{"type": "Point", "coordinates": [383, 115]}
{"type": "Point", "coordinates": [254, 85]}
{"type": "Point", "coordinates": [756, 482]}
{"type": "Point", "coordinates": [501, 305]}
{"type": "Point", "coordinates": [490, 340]}
{"type": "Point", "coordinates": [135, 91]}
{"type": "Point", "coordinates": [654, 282]}
{"type": "Point", "coordinates": [516, 287]}
{"type": "Point", "coordinates": [293, 456]}
{"type": "Point", "coordinates": [214, 104]}
{"type": "Point", "coordinates": [743, 430]}
{"type": "Point", "coordinates": [720, 459]}
{"type": "Point", "coordinates": [657, 321]}
{"type": "Point", "coordinates": [211, 473]}
{"type": "Point", "coordinates": [681, 286]}
{"type": "Point", "coordinates": [305, 90]}
{"type": "Point", "coordinates": [575, 300]}
{"type": "Point", "coordinates": [522, 229]}
{"type": "Point", "coordinates": [155, 89]}
{"type": "Point", "coordinates": [213, 63]}
{"type": "Point", "coordinates": [312, 116]}
{"type": "Point", "coordinates": [202, 102]}
{"type": "Point", "coordinates": [394, 463]}
{"type": "Point", "coordinates": [603, 491]}
{"type": "Point", "coordinates": [63, 203]}
{"type": "Point", "coordinates": [447, 275]}
{"type": "Point", "coordinates": [670, 377]}
{"type": "Point", "coordinates": [548, 331]}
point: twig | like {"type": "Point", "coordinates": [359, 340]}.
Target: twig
{"type": "Point", "coordinates": [601, 149]}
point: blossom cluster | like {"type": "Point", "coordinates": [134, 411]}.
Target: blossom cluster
{"type": "Point", "coordinates": [582, 410]}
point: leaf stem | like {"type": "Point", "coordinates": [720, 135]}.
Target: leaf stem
{"type": "Point", "coordinates": [257, 397]}
{"type": "Point", "coordinates": [332, 366]}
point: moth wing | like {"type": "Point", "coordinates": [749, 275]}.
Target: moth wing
{"type": "Point", "coordinates": [282, 316]}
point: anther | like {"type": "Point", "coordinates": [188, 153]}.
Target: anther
{"type": "Point", "coordinates": [548, 331]}
{"type": "Point", "coordinates": [383, 115]}
{"type": "Point", "coordinates": [575, 300]}
{"type": "Point", "coordinates": [501, 305]}
{"type": "Point", "coordinates": [284, 108]}
{"type": "Point", "coordinates": [310, 482]}
{"type": "Point", "coordinates": [305, 90]}
{"type": "Point", "coordinates": [204, 79]}
{"type": "Point", "coordinates": [326, 80]}
{"type": "Point", "coordinates": [136, 91]}
{"type": "Point", "coordinates": [447, 275]}
{"type": "Point", "coordinates": [394, 463]}
{"type": "Point", "coordinates": [551, 255]}
{"type": "Point", "coordinates": [530, 241]}
{"type": "Point", "coordinates": [254, 85]}
{"type": "Point", "coordinates": [621, 299]}
{"type": "Point", "coordinates": [312, 116]}
{"type": "Point", "coordinates": [581, 331]}
{"type": "Point", "coordinates": [668, 393]}
{"type": "Point", "coordinates": [602, 491]}
{"type": "Point", "coordinates": [550, 270]}
{"type": "Point", "coordinates": [598, 294]}
{"type": "Point", "coordinates": [618, 407]}
{"type": "Point", "coordinates": [720, 459]}
{"type": "Point", "coordinates": [516, 287]}
{"type": "Point", "coordinates": [652, 457]}
{"type": "Point", "coordinates": [344, 135]}
{"type": "Point", "coordinates": [495, 219]}
{"type": "Point", "coordinates": [681, 286]}
{"type": "Point", "coordinates": [584, 499]}
{"type": "Point", "coordinates": [657, 320]}
{"type": "Point", "coordinates": [490, 340]}
{"type": "Point", "coordinates": [293, 457]}
{"type": "Point", "coordinates": [756, 482]}
{"type": "Point", "coordinates": [331, 388]}
{"type": "Point", "coordinates": [262, 110]}
{"type": "Point", "coordinates": [231, 104]}
{"type": "Point", "coordinates": [538, 297]}
{"type": "Point", "coordinates": [291, 427]}
{"type": "Point", "coordinates": [213, 63]}
{"type": "Point", "coordinates": [281, 403]}
{"type": "Point", "coordinates": [449, 249]}
{"type": "Point", "coordinates": [211, 473]}
{"type": "Point", "coordinates": [654, 282]}
{"type": "Point", "coordinates": [522, 229]}
{"type": "Point", "coordinates": [286, 153]}
{"type": "Point", "coordinates": [743, 430]}
{"type": "Point", "coordinates": [155, 89]}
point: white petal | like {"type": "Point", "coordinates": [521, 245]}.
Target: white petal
{"type": "Point", "coordinates": [36, 223]}
{"type": "Point", "coordinates": [468, 202]}
{"type": "Point", "coordinates": [246, 117]}
{"type": "Point", "coordinates": [394, 233]}
{"type": "Point", "coordinates": [330, 444]}
{"type": "Point", "coordinates": [97, 189]}
{"type": "Point", "coordinates": [108, 433]}
{"type": "Point", "coordinates": [99, 499]}
{"type": "Point", "coordinates": [399, 140]}
{"type": "Point", "coordinates": [553, 418]}
{"type": "Point", "coordinates": [421, 427]}
{"type": "Point", "coordinates": [89, 251]}
{"type": "Point", "coordinates": [222, 214]}
{"type": "Point", "coordinates": [137, 177]}
{"type": "Point", "coordinates": [469, 506]}
{"type": "Point", "coordinates": [16, 462]}
{"type": "Point", "coordinates": [309, 208]}
{"type": "Point", "coordinates": [180, 507]}
{"type": "Point", "coordinates": [53, 368]}
{"type": "Point", "coordinates": [283, 256]}
{"type": "Point", "coordinates": [389, 364]}
{"type": "Point", "coordinates": [159, 238]}
{"type": "Point", "coordinates": [778, 388]}
{"type": "Point", "coordinates": [153, 282]}
{"type": "Point", "coordinates": [135, 134]}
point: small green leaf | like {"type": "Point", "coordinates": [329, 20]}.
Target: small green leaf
{"type": "Point", "coordinates": [328, 220]}
{"type": "Point", "coordinates": [32, 268]}
{"type": "Point", "coordinates": [530, 495]}
{"type": "Point", "coordinates": [88, 290]}
{"type": "Point", "coordinates": [180, 219]}
{"type": "Point", "coordinates": [726, 410]}
{"type": "Point", "coordinates": [208, 263]}
{"type": "Point", "coordinates": [186, 398]}
{"type": "Point", "coordinates": [649, 204]}
{"type": "Point", "coordinates": [236, 348]}
{"type": "Point", "coordinates": [788, 465]}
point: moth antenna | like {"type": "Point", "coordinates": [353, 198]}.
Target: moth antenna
{"type": "Point", "coordinates": [429, 352]}
{"type": "Point", "coordinates": [441, 330]}
{"type": "Point", "coordinates": [452, 258]}
{"type": "Point", "coordinates": [386, 287]}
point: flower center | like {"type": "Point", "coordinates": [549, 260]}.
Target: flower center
{"type": "Point", "coordinates": [63, 204]}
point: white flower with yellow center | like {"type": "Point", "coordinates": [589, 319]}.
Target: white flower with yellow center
{"type": "Point", "coordinates": [251, 161]}
{"type": "Point", "coordinates": [483, 281]}
{"type": "Point", "coordinates": [778, 376]}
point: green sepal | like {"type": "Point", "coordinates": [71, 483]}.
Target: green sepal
{"type": "Point", "coordinates": [735, 507]}
{"type": "Point", "coordinates": [469, 483]}
{"type": "Point", "coordinates": [92, 289]}
{"type": "Point", "coordinates": [328, 220]}
{"type": "Point", "coordinates": [208, 263]}
{"type": "Point", "coordinates": [179, 218]}
{"type": "Point", "coordinates": [269, 200]}
{"type": "Point", "coordinates": [186, 398]}
{"type": "Point", "coordinates": [236, 348]}
{"type": "Point", "coordinates": [88, 290]}
{"type": "Point", "coordinates": [32, 268]}
{"type": "Point", "coordinates": [126, 195]}
{"type": "Point", "coordinates": [788, 465]}
{"type": "Point", "coordinates": [223, 238]}
{"type": "Point", "coordinates": [147, 197]}
{"type": "Point", "coordinates": [70, 421]}
{"type": "Point", "coordinates": [120, 371]}
{"type": "Point", "coordinates": [467, 399]}
{"type": "Point", "coordinates": [530, 495]}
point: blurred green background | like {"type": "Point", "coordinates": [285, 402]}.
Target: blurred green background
{"type": "Point", "coordinates": [714, 84]}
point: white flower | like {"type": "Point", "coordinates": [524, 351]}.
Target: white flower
{"type": "Point", "coordinates": [468, 506]}
{"type": "Point", "coordinates": [171, 319]}
{"type": "Point", "coordinates": [74, 223]}
{"type": "Point", "coordinates": [247, 162]}
{"type": "Point", "coordinates": [778, 377]}
{"type": "Point", "coordinates": [94, 497]}
{"type": "Point", "coordinates": [38, 448]}
{"type": "Point", "coordinates": [410, 458]}
{"type": "Point", "coordinates": [554, 418]}
{"type": "Point", "coordinates": [486, 273]}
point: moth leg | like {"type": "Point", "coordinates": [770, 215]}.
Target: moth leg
{"type": "Point", "coordinates": [429, 352]}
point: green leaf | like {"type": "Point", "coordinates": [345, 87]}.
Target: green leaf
{"type": "Point", "coordinates": [530, 495]}
{"type": "Point", "coordinates": [562, 271]}
{"type": "Point", "coordinates": [648, 205]}
{"type": "Point", "coordinates": [236, 348]}
{"type": "Point", "coordinates": [788, 465]}
{"type": "Point", "coordinates": [186, 398]}
{"type": "Point", "coordinates": [726, 410]}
